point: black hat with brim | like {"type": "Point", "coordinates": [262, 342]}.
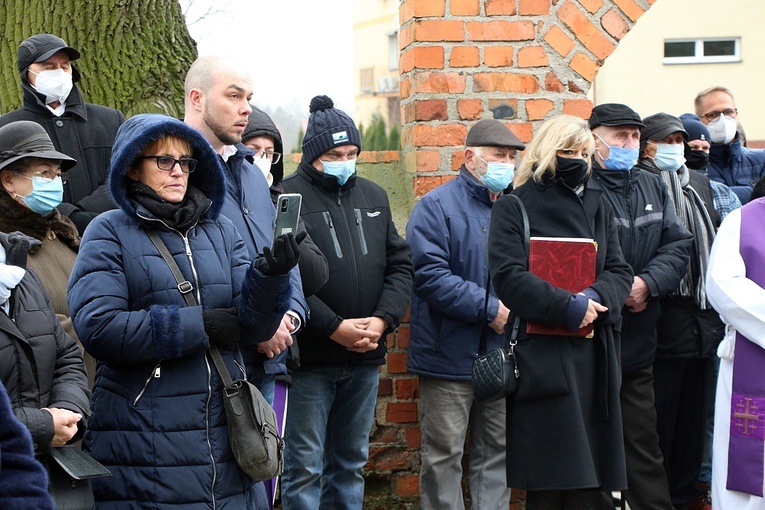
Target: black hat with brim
{"type": "Point", "coordinates": [27, 139]}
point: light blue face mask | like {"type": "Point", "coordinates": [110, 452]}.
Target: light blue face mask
{"type": "Point", "coordinates": [342, 170]}
{"type": "Point", "coordinates": [619, 158]}
{"type": "Point", "coordinates": [669, 156]}
{"type": "Point", "coordinates": [498, 176]}
{"type": "Point", "coordinates": [46, 194]}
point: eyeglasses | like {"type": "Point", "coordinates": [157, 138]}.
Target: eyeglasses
{"type": "Point", "coordinates": [274, 157]}
{"type": "Point", "coordinates": [167, 163]}
{"type": "Point", "coordinates": [731, 113]}
{"type": "Point", "coordinates": [47, 175]}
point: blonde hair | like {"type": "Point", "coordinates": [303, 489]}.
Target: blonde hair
{"type": "Point", "coordinates": [564, 132]}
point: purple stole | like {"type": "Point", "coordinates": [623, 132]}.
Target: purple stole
{"type": "Point", "coordinates": [746, 449]}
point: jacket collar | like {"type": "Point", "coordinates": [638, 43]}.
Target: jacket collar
{"type": "Point", "coordinates": [474, 188]}
{"type": "Point", "coordinates": [75, 105]}
{"type": "Point", "coordinates": [721, 153]}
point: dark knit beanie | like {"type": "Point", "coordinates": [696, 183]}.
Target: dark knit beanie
{"type": "Point", "coordinates": [695, 128]}
{"type": "Point", "coordinates": [327, 128]}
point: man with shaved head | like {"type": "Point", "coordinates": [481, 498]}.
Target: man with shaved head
{"type": "Point", "coordinates": [217, 104]}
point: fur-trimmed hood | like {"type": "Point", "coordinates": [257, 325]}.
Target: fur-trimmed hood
{"type": "Point", "coordinates": [137, 132]}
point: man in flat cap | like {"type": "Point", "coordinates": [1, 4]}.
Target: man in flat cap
{"type": "Point", "coordinates": [688, 328]}
{"type": "Point", "coordinates": [448, 232]}
{"type": "Point", "coordinates": [657, 248]}
{"type": "Point", "coordinates": [80, 130]}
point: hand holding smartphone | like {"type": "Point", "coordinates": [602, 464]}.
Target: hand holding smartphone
{"type": "Point", "coordinates": [287, 214]}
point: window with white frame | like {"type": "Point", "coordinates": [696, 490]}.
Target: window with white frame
{"type": "Point", "coordinates": [702, 51]}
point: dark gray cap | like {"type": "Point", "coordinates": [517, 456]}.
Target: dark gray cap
{"type": "Point", "coordinates": [41, 47]}
{"type": "Point", "coordinates": [492, 133]}
{"type": "Point", "coordinates": [614, 114]}
{"type": "Point", "coordinates": [27, 139]}
{"type": "Point", "coordinates": [661, 125]}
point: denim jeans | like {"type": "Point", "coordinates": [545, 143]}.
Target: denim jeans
{"type": "Point", "coordinates": [329, 416]}
{"type": "Point", "coordinates": [447, 408]}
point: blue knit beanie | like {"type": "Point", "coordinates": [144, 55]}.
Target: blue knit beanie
{"type": "Point", "coordinates": [696, 129]}
{"type": "Point", "coordinates": [327, 128]}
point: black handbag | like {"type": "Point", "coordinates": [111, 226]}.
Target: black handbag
{"type": "Point", "coordinates": [495, 374]}
{"type": "Point", "coordinates": [69, 473]}
{"type": "Point", "coordinates": [251, 421]}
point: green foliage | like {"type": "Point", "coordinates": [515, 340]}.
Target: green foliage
{"type": "Point", "coordinates": [134, 58]}
{"type": "Point", "coordinates": [394, 138]}
{"type": "Point", "coordinates": [299, 145]}
{"type": "Point", "coordinates": [377, 138]}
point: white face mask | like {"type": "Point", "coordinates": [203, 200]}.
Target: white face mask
{"type": "Point", "coordinates": [264, 164]}
{"type": "Point", "coordinates": [56, 85]}
{"type": "Point", "coordinates": [722, 130]}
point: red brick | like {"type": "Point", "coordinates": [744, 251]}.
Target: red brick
{"type": "Point", "coordinates": [592, 38]}
{"type": "Point", "coordinates": [402, 333]}
{"type": "Point", "coordinates": [437, 83]}
{"type": "Point", "coordinates": [536, 109]}
{"type": "Point", "coordinates": [401, 412]}
{"type": "Point", "coordinates": [579, 107]}
{"type": "Point", "coordinates": [405, 35]}
{"type": "Point", "coordinates": [500, 30]}
{"type": "Point", "coordinates": [385, 388]}
{"type": "Point", "coordinates": [423, 184]}
{"type": "Point", "coordinates": [558, 39]}
{"type": "Point", "coordinates": [439, 30]}
{"type": "Point", "coordinates": [465, 7]}
{"type": "Point", "coordinates": [426, 8]}
{"type": "Point", "coordinates": [426, 161]}
{"type": "Point", "coordinates": [585, 66]}
{"type": "Point", "coordinates": [505, 82]}
{"type": "Point", "coordinates": [464, 56]}
{"type": "Point", "coordinates": [523, 130]}
{"type": "Point", "coordinates": [592, 6]}
{"type": "Point", "coordinates": [553, 84]}
{"type": "Point", "coordinates": [413, 437]}
{"type": "Point", "coordinates": [469, 109]}
{"type": "Point", "coordinates": [388, 435]}
{"type": "Point", "coordinates": [614, 24]}
{"type": "Point", "coordinates": [390, 341]}
{"type": "Point", "coordinates": [532, 56]}
{"type": "Point", "coordinates": [408, 486]}
{"type": "Point", "coordinates": [407, 388]}
{"type": "Point", "coordinates": [498, 56]}
{"type": "Point", "coordinates": [458, 158]}
{"type": "Point", "coordinates": [630, 8]}
{"type": "Point", "coordinates": [430, 109]}
{"type": "Point", "coordinates": [405, 88]}
{"type": "Point", "coordinates": [438, 136]}
{"type": "Point", "coordinates": [500, 7]}
{"type": "Point", "coordinates": [422, 57]}
{"type": "Point", "coordinates": [397, 362]}
{"type": "Point", "coordinates": [533, 7]}
{"type": "Point", "coordinates": [388, 458]}
{"type": "Point", "coordinates": [503, 108]}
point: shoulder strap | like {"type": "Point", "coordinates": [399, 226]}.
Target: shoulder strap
{"type": "Point", "coordinates": [512, 339]}
{"type": "Point", "coordinates": [185, 287]}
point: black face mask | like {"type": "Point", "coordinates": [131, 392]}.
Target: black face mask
{"type": "Point", "coordinates": [572, 170]}
{"type": "Point", "coordinates": [698, 160]}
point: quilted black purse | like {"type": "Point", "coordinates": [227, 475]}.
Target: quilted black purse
{"type": "Point", "coordinates": [495, 374]}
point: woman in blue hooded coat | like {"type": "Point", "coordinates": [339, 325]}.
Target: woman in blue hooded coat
{"type": "Point", "coordinates": [158, 419]}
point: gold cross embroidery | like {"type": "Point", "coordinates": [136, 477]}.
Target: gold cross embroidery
{"type": "Point", "coordinates": [746, 412]}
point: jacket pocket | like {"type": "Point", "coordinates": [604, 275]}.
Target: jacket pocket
{"type": "Point", "coordinates": [540, 365]}
{"type": "Point", "coordinates": [360, 227]}
{"type": "Point", "coordinates": [333, 233]}
{"type": "Point", "coordinates": [155, 374]}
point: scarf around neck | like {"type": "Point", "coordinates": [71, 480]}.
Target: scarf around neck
{"type": "Point", "coordinates": [181, 216]}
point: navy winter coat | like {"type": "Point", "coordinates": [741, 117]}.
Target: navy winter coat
{"type": "Point", "coordinates": [738, 167]}
{"type": "Point", "coordinates": [448, 231]}
{"type": "Point", "coordinates": [158, 419]}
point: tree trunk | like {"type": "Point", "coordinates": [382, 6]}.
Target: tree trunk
{"type": "Point", "coordinates": [134, 53]}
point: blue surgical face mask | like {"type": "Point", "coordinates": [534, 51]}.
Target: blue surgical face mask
{"type": "Point", "coordinates": [46, 194]}
{"type": "Point", "coordinates": [619, 158]}
{"type": "Point", "coordinates": [498, 176]}
{"type": "Point", "coordinates": [669, 156]}
{"type": "Point", "coordinates": [342, 170]}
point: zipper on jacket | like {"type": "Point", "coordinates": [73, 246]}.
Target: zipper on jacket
{"type": "Point", "coordinates": [155, 374]}
{"type": "Point", "coordinates": [339, 195]}
{"type": "Point", "coordinates": [335, 241]}
{"type": "Point", "coordinates": [207, 429]}
{"type": "Point", "coordinates": [360, 226]}
{"type": "Point", "coordinates": [627, 250]}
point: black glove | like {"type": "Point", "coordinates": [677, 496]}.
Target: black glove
{"type": "Point", "coordinates": [284, 257]}
{"type": "Point", "coordinates": [222, 326]}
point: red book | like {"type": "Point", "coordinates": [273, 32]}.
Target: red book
{"type": "Point", "coordinates": [568, 263]}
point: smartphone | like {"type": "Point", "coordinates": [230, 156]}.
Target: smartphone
{"type": "Point", "coordinates": [287, 214]}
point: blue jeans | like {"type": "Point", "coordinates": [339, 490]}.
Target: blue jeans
{"type": "Point", "coordinates": [329, 416]}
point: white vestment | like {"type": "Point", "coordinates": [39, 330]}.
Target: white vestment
{"type": "Point", "coordinates": [741, 304]}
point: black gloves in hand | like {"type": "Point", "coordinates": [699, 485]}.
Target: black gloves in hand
{"type": "Point", "coordinates": [222, 326]}
{"type": "Point", "coordinates": [284, 257]}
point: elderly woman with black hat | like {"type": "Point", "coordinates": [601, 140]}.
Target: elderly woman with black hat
{"type": "Point", "coordinates": [689, 329]}
{"type": "Point", "coordinates": [33, 176]}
